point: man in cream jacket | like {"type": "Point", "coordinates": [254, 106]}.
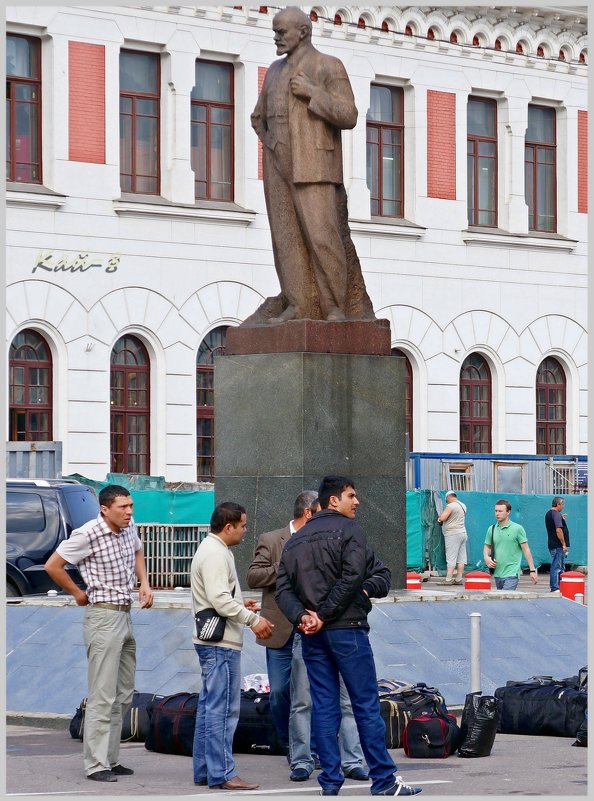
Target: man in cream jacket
{"type": "Point", "coordinates": [215, 584]}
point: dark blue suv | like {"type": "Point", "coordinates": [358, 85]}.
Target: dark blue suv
{"type": "Point", "coordinates": [40, 513]}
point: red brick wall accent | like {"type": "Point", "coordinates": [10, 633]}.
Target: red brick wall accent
{"type": "Point", "coordinates": [441, 144]}
{"type": "Point", "coordinates": [261, 75]}
{"type": "Point", "coordinates": [583, 162]}
{"type": "Point", "coordinates": [86, 102]}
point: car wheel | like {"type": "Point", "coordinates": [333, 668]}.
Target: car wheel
{"type": "Point", "coordinates": [11, 590]}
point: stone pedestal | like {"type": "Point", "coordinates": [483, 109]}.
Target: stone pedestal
{"type": "Point", "coordinates": [284, 420]}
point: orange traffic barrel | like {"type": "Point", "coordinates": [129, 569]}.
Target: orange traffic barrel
{"type": "Point", "coordinates": [413, 581]}
{"type": "Point", "coordinates": [572, 583]}
{"type": "Point", "coordinates": [477, 580]}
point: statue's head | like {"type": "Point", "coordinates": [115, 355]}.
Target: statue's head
{"type": "Point", "coordinates": [291, 27]}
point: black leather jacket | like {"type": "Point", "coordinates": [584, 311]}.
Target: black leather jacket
{"type": "Point", "coordinates": [326, 566]}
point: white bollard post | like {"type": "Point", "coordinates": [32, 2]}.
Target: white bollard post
{"type": "Point", "coordinates": [475, 652]}
{"type": "Point", "coordinates": [579, 598]}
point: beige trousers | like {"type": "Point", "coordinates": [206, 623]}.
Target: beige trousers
{"type": "Point", "coordinates": [111, 655]}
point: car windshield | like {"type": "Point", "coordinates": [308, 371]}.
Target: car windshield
{"type": "Point", "coordinates": [82, 505]}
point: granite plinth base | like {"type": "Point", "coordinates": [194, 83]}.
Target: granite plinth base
{"type": "Point", "coordinates": [311, 336]}
{"type": "Point", "coordinates": [284, 420]}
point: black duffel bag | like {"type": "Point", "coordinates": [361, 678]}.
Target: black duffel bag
{"type": "Point", "coordinates": [256, 732]}
{"type": "Point", "coordinates": [431, 735]}
{"type": "Point", "coordinates": [553, 709]}
{"type": "Point", "coordinates": [172, 722]}
{"type": "Point", "coordinates": [135, 723]}
{"type": "Point", "coordinates": [478, 726]}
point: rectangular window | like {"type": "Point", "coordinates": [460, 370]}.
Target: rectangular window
{"type": "Point", "coordinates": [482, 161]}
{"type": "Point", "coordinates": [541, 169]}
{"type": "Point", "coordinates": [139, 122]}
{"type": "Point", "coordinates": [212, 124]}
{"type": "Point", "coordinates": [23, 109]}
{"type": "Point", "coordinates": [385, 151]}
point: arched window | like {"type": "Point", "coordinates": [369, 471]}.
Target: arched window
{"type": "Point", "coordinates": [561, 55]}
{"type": "Point", "coordinates": [454, 37]}
{"type": "Point", "coordinates": [408, 396]}
{"type": "Point", "coordinates": [540, 51]}
{"type": "Point", "coordinates": [476, 42]}
{"type": "Point", "coordinates": [212, 345]}
{"type": "Point", "coordinates": [337, 19]}
{"type": "Point", "coordinates": [551, 409]}
{"type": "Point", "coordinates": [519, 48]}
{"type": "Point", "coordinates": [498, 45]}
{"type": "Point", "coordinates": [475, 405]}
{"type": "Point", "coordinates": [431, 34]}
{"type": "Point", "coordinates": [361, 23]}
{"type": "Point", "coordinates": [408, 31]}
{"type": "Point", "coordinates": [582, 58]}
{"type": "Point", "coordinates": [313, 15]}
{"type": "Point", "coordinates": [386, 29]}
{"type": "Point", "coordinates": [30, 363]}
{"type": "Point", "coordinates": [130, 407]}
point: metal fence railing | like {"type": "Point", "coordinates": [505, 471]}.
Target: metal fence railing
{"type": "Point", "coordinates": [168, 552]}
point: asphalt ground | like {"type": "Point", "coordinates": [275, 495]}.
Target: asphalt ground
{"type": "Point", "coordinates": [43, 761]}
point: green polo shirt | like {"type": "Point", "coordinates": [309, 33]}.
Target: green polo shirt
{"type": "Point", "coordinates": [508, 551]}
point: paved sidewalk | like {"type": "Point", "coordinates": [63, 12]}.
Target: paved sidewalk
{"type": "Point", "coordinates": [49, 761]}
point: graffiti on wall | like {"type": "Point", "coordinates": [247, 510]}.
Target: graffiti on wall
{"type": "Point", "coordinates": [80, 263]}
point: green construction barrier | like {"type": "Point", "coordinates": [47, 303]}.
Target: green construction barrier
{"type": "Point", "coordinates": [529, 512]}
{"type": "Point", "coordinates": [424, 539]}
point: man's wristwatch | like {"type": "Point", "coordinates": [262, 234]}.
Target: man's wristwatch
{"type": "Point", "coordinates": [533, 571]}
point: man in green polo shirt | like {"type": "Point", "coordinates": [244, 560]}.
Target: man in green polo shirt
{"type": "Point", "coordinates": [505, 543]}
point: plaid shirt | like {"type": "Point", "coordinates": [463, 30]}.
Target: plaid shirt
{"type": "Point", "coordinates": [106, 560]}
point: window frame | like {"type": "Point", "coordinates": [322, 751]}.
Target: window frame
{"type": "Point", "coordinates": [134, 96]}
{"type": "Point", "coordinates": [535, 146]}
{"type": "Point", "coordinates": [544, 448]}
{"type": "Point", "coordinates": [205, 369]}
{"type": "Point", "coordinates": [476, 139]}
{"type": "Point", "coordinates": [13, 81]}
{"type": "Point", "coordinates": [209, 105]}
{"type": "Point", "coordinates": [28, 408]}
{"type": "Point", "coordinates": [475, 421]}
{"type": "Point", "coordinates": [408, 395]}
{"type": "Point", "coordinates": [382, 127]}
{"type": "Point", "coordinates": [125, 411]}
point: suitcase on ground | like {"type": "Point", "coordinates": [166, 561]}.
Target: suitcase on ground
{"type": "Point", "coordinates": [256, 732]}
{"type": "Point", "coordinates": [134, 725]}
{"type": "Point", "coordinates": [400, 701]}
{"type": "Point", "coordinates": [431, 735]}
{"type": "Point", "coordinates": [533, 708]}
{"type": "Point", "coordinates": [172, 721]}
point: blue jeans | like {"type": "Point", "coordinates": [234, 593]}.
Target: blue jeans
{"type": "Point", "coordinates": [346, 652]}
{"type": "Point", "coordinates": [218, 713]}
{"type": "Point", "coordinates": [278, 665]}
{"type": "Point", "coordinates": [301, 739]}
{"type": "Point", "coordinates": [508, 583]}
{"type": "Point", "coordinates": [557, 567]}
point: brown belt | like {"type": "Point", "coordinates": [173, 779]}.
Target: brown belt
{"type": "Point", "coordinates": [115, 607]}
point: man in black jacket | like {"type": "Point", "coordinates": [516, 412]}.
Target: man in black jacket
{"type": "Point", "coordinates": [325, 578]}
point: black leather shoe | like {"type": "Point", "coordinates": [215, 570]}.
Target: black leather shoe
{"type": "Point", "coordinates": [357, 773]}
{"type": "Point", "coordinates": [102, 776]}
{"type": "Point", "coordinates": [120, 770]}
{"type": "Point", "coordinates": [299, 775]}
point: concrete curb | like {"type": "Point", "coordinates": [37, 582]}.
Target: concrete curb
{"type": "Point", "coordinates": [40, 720]}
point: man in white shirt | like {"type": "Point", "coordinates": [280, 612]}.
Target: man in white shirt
{"type": "Point", "coordinates": [455, 536]}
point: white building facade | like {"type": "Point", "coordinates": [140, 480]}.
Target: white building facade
{"type": "Point", "coordinates": [136, 226]}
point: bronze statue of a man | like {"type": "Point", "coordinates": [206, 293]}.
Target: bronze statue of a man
{"type": "Point", "coordinates": [306, 101]}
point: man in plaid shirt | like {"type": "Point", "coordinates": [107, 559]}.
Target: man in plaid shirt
{"type": "Point", "coordinates": [109, 556]}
